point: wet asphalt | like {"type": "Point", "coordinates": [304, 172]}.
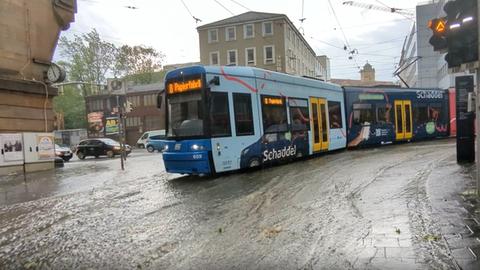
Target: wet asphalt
{"type": "Point", "coordinates": [364, 209]}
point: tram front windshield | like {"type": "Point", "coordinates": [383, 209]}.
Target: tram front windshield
{"type": "Point", "coordinates": [185, 115]}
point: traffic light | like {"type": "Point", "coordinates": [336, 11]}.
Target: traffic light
{"type": "Point", "coordinates": [461, 32]}
{"type": "Point", "coordinates": [438, 40]}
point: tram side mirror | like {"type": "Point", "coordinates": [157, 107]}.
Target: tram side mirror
{"type": "Point", "coordinates": [471, 102]}
{"type": "Point", "coordinates": [160, 99]}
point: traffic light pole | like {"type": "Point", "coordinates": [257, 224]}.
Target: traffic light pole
{"type": "Point", "coordinates": [477, 109]}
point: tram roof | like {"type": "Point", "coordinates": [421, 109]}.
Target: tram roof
{"type": "Point", "coordinates": [252, 72]}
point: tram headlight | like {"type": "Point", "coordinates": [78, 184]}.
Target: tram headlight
{"type": "Point", "coordinates": [196, 147]}
{"type": "Point", "coordinates": [165, 148]}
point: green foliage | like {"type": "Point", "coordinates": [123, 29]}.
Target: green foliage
{"type": "Point", "coordinates": [72, 105]}
{"type": "Point", "coordinates": [138, 63]}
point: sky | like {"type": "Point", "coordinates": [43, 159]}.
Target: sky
{"type": "Point", "coordinates": [168, 26]}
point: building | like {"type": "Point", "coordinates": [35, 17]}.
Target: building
{"type": "Point", "coordinates": [367, 78]}
{"type": "Point", "coordinates": [145, 115]}
{"type": "Point", "coordinates": [29, 31]}
{"type": "Point", "coordinates": [419, 65]}
{"type": "Point", "coordinates": [169, 67]}
{"type": "Point", "coordinates": [265, 40]}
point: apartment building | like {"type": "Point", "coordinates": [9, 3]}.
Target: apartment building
{"type": "Point", "coordinates": [265, 40]}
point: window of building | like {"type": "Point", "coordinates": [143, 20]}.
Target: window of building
{"type": "Point", "coordinates": [214, 58]}
{"type": "Point", "coordinates": [150, 100]}
{"type": "Point", "coordinates": [335, 114]}
{"type": "Point", "coordinates": [248, 31]}
{"type": "Point", "coordinates": [133, 121]}
{"type": "Point", "coordinates": [153, 122]}
{"type": "Point", "coordinates": [219, 115]}
{"type": "Point", "coordinates": [96, 105]}
{"type": "Point", "coordinates": [299, 116]}
{"type": "Point", "coordinates": [267, 28]}
{"type": "Point", "coordinates": [230, 33]}
{"type": "Point", "coordinates": [242, 105]}
{"type": "Point", "coordinates": [212, 35]}
{"type": "Point", "coordinates": [250, 57]}
{"type": "Point", "coordinates": [274, 114]}
{"type": "Point", "coordinates": [363, 114]}
{"type": "Point", "coordinates": [232, 57]}
{"type": "Point", "coordinates": [268, 53]}
{"type": "Point", "coordinates": [288, 33]}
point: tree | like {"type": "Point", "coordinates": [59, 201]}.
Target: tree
{"type": "Point", "coordinates": [138, 63]}
{"type": "Point", "coordinates": [90, 59]}
{"type": "Point", "coordinates": [72, 104]}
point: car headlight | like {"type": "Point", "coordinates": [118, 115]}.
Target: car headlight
{"type": "Point", "coordinates": [116, 148]}
{"type": "Point", "coordinates": [196, 147]}
{"type": "Point", "coordinates": [58, 153]}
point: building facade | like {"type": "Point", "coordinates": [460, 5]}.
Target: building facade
{"type": "Point", "coordinates": [29, 31]}
{"type": "Point", "coordinates": [145, 115]}
{"type": "Point", "coordinates": [419, 65]}
{"type": "Point", "coordinates": [265, 40]}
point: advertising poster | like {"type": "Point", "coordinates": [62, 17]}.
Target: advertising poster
{"type": "Point", "coordinates": [112, 126]}
{"type": "Point", "coordinates": [95, 124]}
{"type": "Point", "coordinates": [12, 145]}
{"type": "Point", "coordinates": [45, 147]}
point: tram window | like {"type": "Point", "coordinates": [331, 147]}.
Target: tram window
{"type": "Point", "coordinates": [420, 114]}
{"type": "Point", "coordinates": [363, 114]}
{"type": "Point", "coordinates": [274, 114]}
{"type": "Point", "coordinates": [299, 118]}
{"type": "Point", "coordinates": [219, 116]}
{"type": "Point", "coordinates": [335, 114]}
{"type": "Point", "coordinates": [434, 112]}
{"type": "Point", "coordinates": [242, 105]}
{"type": "Point", "coordinates": [383, 114]}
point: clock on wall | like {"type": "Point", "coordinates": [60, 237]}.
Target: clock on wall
{"type": "Point", "coordinates": [55, 73]}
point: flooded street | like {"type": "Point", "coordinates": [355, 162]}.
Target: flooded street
{"type": "Point", "coordinates": [393, 207]}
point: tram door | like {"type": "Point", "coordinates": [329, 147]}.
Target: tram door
{"type": "Point", "coordinates": [318, 123]}
{"type": "Point", "coordinates": [403, 119]}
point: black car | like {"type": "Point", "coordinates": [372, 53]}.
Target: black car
{"type": "Point", "coordinates": [100, 147]}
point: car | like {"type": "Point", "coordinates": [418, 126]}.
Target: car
{"type": "Point", "coordinates": [63, 152]}
{"type": "Point", "coordinates": [142, 142]}
{"type": "Point", "coordinates": [100, 147]}
{"type": "Point", "coordinates": [156, 142]}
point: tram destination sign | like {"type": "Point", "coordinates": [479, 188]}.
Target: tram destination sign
{"type": "Point", "coordinates": [184, 86]}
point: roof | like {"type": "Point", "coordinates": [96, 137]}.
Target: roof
{"type": "Point", "coordinates": [145, 87]}
{"type": "Point", "coordinates": [244, 17]}
{"type": "Point", "coordinates": [348, 82]}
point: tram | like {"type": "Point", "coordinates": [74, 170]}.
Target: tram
{"type": "Point", "coordinates": [229, 118]}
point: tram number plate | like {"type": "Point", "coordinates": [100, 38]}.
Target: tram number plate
{"type": "Point", "coordinates": [178, 146]}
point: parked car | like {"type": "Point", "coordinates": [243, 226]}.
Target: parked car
{"type": "Point", "coordinates": [63, 152]}
{"type": "Point", "coordinates": [142, 142]}
{"type": "Point", "coordinates": [156, 142]}
{"type": "Point", "coordinates": [100, 147]}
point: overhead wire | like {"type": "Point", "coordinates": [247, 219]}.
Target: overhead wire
{"type": "Point", "coordinates": [347, 44]}
{"type": "Point", "coordinates": [224, 7]}
{"type": "Point", "coordinates": [189, 12]}
{"type": "Point", "coordinates": [236, 2]}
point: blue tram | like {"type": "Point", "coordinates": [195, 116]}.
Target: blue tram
{"type": "Point", "coordinates": [228, 118]}
{"type": "Point", "coordinates": [386, 115]}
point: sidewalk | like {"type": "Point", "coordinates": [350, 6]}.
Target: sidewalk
{"type": "Point", "coordinates": [457, 212]}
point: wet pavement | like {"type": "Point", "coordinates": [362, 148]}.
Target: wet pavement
{"type": "Point", "coordinates": [404, 206]}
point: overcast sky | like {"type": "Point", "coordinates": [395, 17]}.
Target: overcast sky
{"type": "Point", "coordinates": [168, 27]}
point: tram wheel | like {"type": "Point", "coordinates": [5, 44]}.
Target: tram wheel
{"type": "Point", "coordinates": [254, 162]}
